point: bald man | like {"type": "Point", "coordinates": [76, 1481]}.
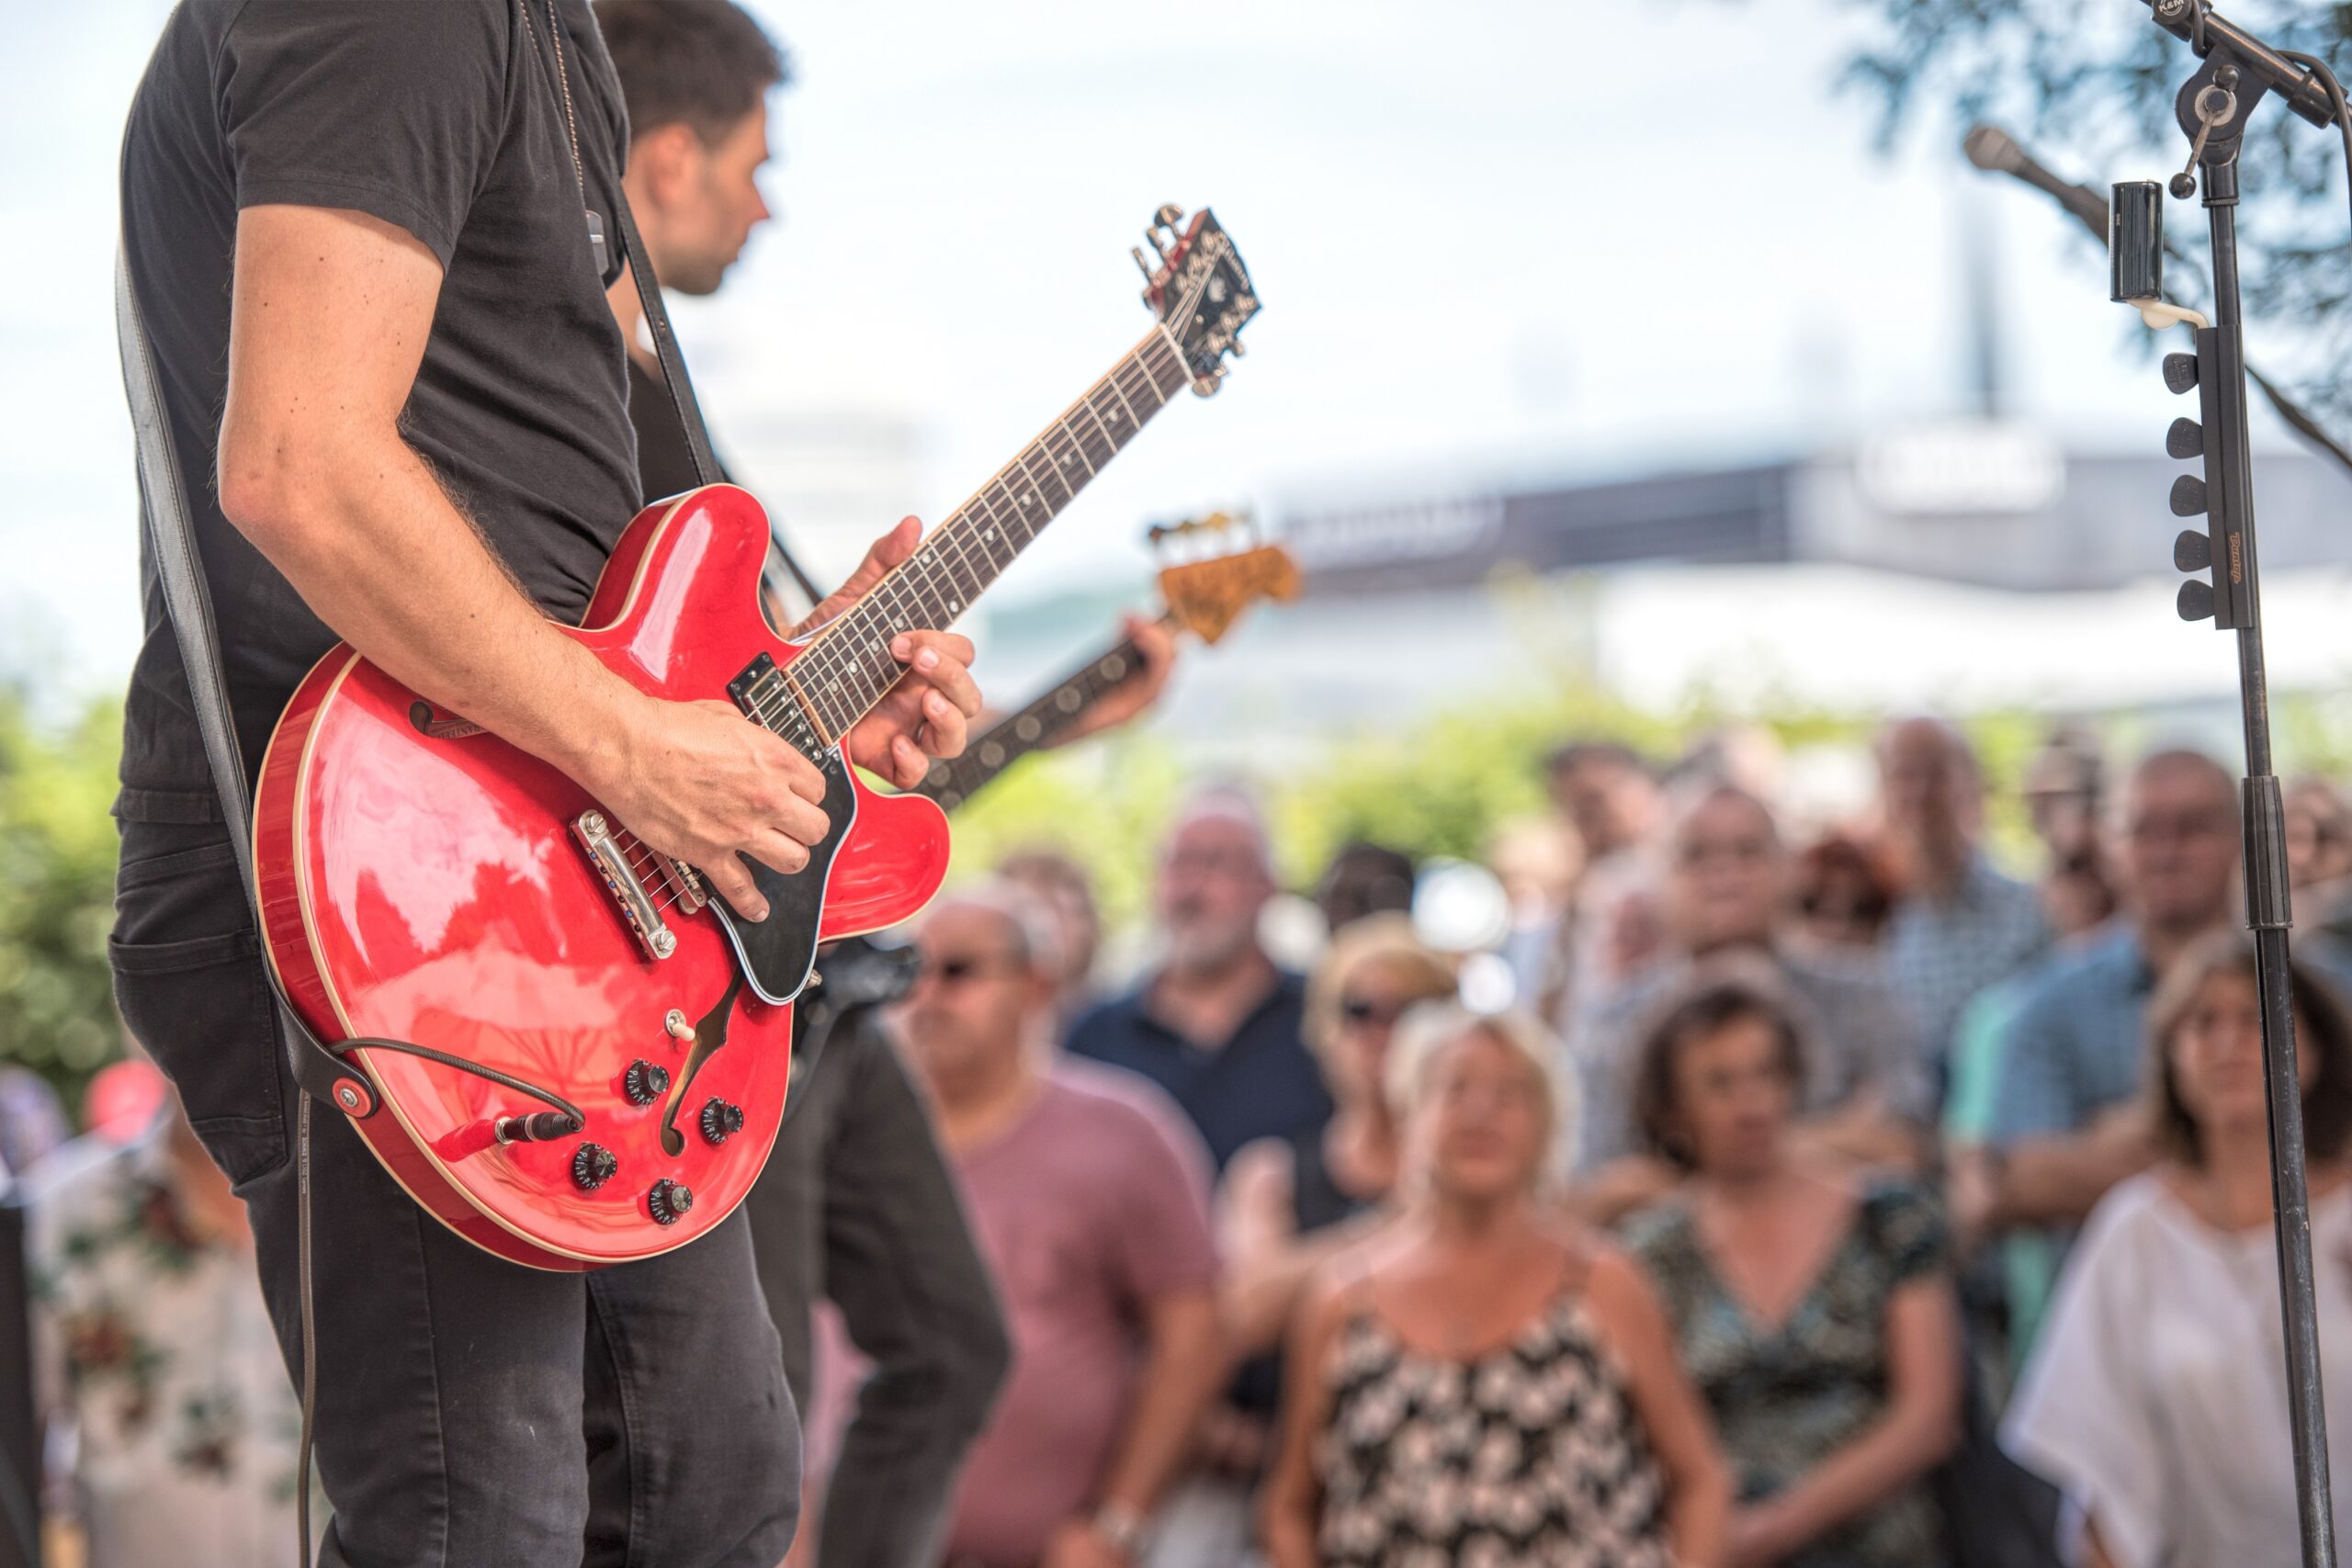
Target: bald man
{"type": "Point", "coordinates": [2066, 1123]}
{"type": "Point", "coordinates": [1216, 1023]}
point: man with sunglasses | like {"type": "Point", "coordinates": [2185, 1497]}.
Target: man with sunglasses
{"type": "Point", "coordinates": [1090, 1197]}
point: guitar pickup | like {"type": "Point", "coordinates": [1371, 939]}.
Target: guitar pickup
{"type": "Point", "coordinates": [595, 836]}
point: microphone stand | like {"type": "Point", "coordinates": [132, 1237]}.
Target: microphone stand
{"type": "Point", "coordinates": [2213, 109]}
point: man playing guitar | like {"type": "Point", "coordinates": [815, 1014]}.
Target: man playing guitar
{"type": "Point", "coordinates": [369, 241]}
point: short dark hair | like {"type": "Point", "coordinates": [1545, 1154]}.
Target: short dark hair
{"type": "Point", "coordinates": [2322, 1032]}
{"type": "Point", "coordinates": [1584, 754]}
{"type": "Point", "coordinates": [1693, 1013]}
{"type": "Point", "coordinates": [703, 63]}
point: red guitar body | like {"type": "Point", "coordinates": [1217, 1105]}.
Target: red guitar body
{"type": "Point", "coordinates": [423, 882]}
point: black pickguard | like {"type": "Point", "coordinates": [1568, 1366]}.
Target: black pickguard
{"type": "Point", "coordinates": [778, 953]}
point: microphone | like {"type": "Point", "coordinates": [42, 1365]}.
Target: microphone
{"type": "Point", "coordinates": [1995, 149]}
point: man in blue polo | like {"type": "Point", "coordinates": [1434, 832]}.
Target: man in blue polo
{"type": "Point", "coordinates": [2067, 1121]}
{"type": "Point", "coordinates": [1216, 1023]}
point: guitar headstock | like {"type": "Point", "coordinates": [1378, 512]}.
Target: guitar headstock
{"type": "Point", "coordinates": [1200, 291]}
{"type": "Point", "coordinates": [1206, 596]}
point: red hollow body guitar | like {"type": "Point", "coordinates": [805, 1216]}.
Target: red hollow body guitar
{"type": "Point", "coordinates": [423, 882]}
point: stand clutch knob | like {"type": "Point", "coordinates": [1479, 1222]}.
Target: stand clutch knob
{"type": "Point", "coordinates": [2187, 496]}
{"type": "Point", "coordinates": [2196, 601]}
{"type": "Point", "coordinates": [2192, 551]}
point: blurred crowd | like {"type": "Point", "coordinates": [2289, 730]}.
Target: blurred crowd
{"type": "Point", "coordinates": [1816, 1193]}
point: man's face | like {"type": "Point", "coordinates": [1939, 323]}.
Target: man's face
{"type": "Point", "coordinates": [1925, 784]}
{"type": "Point", "coordinates": [1213, 882]}
{"type": "Point", "coordinates": [709, 198]}
{"type": "Point", "coordinates": [976, 997]}
{"type": "Point", "coordinates": [1610, 805]}
{"type": "Point", "coordinates": [1728, 875]}
{"type": "Point", "coordinates": [2180, 844]}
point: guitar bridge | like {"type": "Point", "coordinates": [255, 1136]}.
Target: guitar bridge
{"type": "Point", "coordinates": [595, 836]}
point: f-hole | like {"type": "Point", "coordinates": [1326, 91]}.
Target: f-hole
{"type": "Point", "coordinates": [710, 1036]}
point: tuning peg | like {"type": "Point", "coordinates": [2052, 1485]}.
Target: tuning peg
{"type": "Point", "coordinates": [2196, 601]}
{"type": "Point", "coordinates": [2180, 371]}
{"type": "Point", "coordinates": [1142, 266]}
{"type": "Point", "coordinates": [1240, 348]}
{"type": "Point", "coordinates": [2193, 551]}
{"type": "Point", "coordinates": [1169, 217]}
{"type": "Point", "coordinates": [1207, 386]}
{"type": "Point", "coordinates": [2187, 496]}
{"type": "Point", "coordinates": [2185, 439]}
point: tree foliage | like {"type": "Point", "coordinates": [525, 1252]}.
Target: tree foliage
{"type": "Point", "coordinates": [56, 858]}
{"type": "Point", "coordinates": [2088, 86]}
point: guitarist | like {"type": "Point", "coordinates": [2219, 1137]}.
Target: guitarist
{"type": "Point", "coordinates": [856, 1200]}
{"type": "Point", "coordinates": [361, 236]}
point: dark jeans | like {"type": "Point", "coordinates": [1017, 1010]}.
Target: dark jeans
{"type": "Point", "coordinates": [857, 1205]}
{"type": "Point", "coordinates": [470, 1411]}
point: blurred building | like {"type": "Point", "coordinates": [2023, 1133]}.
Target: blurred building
{"type": "Point", "coordinates": [1957, 566]}
{"type": "Point", "coordinates": [1993, 504]}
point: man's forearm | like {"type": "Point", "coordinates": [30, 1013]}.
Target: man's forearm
{"type": "Point", "coordinates": [2060, 1179]}
{"type": "Point", "coordinates": [1180, 1374]}
{"type": "Point", "coordinates": [376, 549]}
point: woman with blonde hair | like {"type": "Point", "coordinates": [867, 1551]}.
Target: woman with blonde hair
{"type": "Point", "coordinates": [1291, 1202]}
{"type": "Point", "coordinates": [1481, 1381]}
{"type": "Point", "coordinates": [2156, 1398]}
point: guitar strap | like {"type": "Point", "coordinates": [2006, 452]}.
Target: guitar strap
{"type": "Point", "coordinates": [171, 540]}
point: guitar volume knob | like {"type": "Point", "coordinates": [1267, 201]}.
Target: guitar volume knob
{"type": "Point", "coordinates": [644, 1082]}
{"type": "Point", "coordinates": [592, 1165]}
{"type": "Point", "coordinates": [720, 1121]}
{"type": "Point", "coordinates": [669, 1202]}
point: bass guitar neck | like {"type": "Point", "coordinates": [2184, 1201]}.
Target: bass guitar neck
{"type": "Point", "coordinates": [1034, 728]}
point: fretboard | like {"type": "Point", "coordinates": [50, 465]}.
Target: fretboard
{"type": "Point", "coordinates": [1039, 725]}
{"type": "Point", "coordinates": [848, 667]}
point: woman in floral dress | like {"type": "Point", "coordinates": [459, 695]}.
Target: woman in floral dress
{"type": "Point", "coordinates": [1481, 1384]}
{"type": "Point", "coordinates": [1813, 1303]}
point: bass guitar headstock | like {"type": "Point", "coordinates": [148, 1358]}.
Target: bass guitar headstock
{"type": "Point", "coordinates": [1200, 291]}
{"type": "Point", "coordinates": [1206, 595]}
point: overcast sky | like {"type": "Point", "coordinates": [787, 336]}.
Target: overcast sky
{"type": "Point", "coordinates": [1487, 242]}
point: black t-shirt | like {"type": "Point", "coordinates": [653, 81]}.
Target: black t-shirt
{"type": "Point", "coordinates": [665, 463]}
{"type": "Point", "coordinates": [447, 119]}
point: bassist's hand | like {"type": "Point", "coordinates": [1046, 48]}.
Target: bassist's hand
{"type": "Point", "coordinates": [699, 782]}
{"type": "Point", "coordinates": [1155, 644]}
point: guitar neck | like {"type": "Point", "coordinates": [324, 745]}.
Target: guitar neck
{"type": "Point", "coordinates": [848, 667]}
{"type": "Point", "coordinates": [1038, 725]}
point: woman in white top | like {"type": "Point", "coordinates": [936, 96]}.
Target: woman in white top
{"type": "Point", "coordinates": [2157, 1397]}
